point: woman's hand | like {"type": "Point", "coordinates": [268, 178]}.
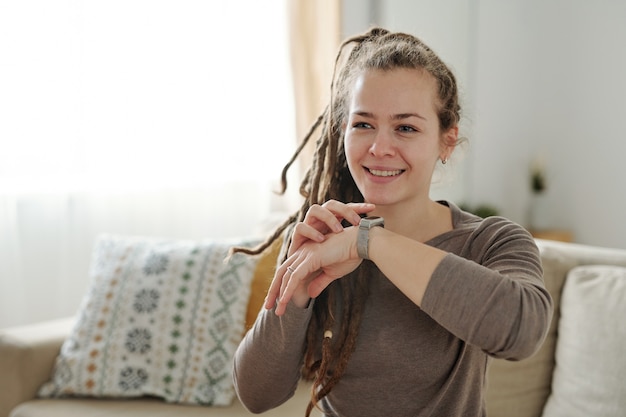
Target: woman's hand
{"type": "Point", "coordinates": [319, 223]}
{"type": "Point", "coordinates": [308, 271]}
{"type": "Point", "coordinates": [322, 220]}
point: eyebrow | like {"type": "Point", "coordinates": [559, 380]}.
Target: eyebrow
{"type": "Point", "coordinates": [399, 116]}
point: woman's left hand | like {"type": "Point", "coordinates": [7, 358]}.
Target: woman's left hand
{"type": "Point", "coordinates": [314, 265]}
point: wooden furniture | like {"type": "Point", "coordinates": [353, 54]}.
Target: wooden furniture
{"type": "Point", "coordinates": [553, 234]}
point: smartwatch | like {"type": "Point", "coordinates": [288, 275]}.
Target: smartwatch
{"type": "Point", "coordinates": [363, 236]}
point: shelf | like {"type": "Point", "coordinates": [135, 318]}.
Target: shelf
{"type": "Point", "coordinates": [553, 234]}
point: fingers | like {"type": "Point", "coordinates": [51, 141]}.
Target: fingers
{"type": "Point", "coordinates": [303, 232]}
{"type": "Point", "coordinates": [279, 282]}
{"type": "Point", "coordinates": [287, 279]}
{"type": "Point", "coordinates": [289, 283]}
{"type": "Point", "coordinates": [333, 212]}
{"type": "Point", "coordinates": [342, 211]}
{"type": "Point", "coordinates": [274, 291]}
{"type": "Point", "coordinates": [319, 284]}
{"type": "Point", "coordinates": [294, 285]}
{"type": "Point", "coordinates": [324, 219]}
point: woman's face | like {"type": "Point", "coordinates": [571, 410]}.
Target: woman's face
{"type": "Point", "coordinates": [392, 137]}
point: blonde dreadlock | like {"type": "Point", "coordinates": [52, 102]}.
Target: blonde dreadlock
{"type": "Point", "coordinates": [329, 178]}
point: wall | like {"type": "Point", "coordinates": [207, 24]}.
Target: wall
{"type": "Point", "coordinates": [540, 79]}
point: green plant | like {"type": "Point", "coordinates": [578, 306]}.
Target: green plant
{"type": "Point", "coordinates": [481, 210]}
{"type": "Point", "coordinates": [538, 176]}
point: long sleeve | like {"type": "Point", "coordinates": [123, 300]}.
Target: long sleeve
{"type": "Point", "coordinates": [272, 350]}
{"type": "Point", "coordinates": [485, 298]}
{"type": "Point", "coordinates": [491, 294]}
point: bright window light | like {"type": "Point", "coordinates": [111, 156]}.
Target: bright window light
{"type": "Point", "coordinates": [142, 93]}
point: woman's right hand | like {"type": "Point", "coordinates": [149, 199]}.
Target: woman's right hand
{"type": "Point", "coordinates": [322, 220]}
{"type": "Point", "coordinates": [319, 221]}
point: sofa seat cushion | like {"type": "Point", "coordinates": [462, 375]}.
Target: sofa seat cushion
{"type": "Point", "coordinates": [153, 407]}
{"type": "Point", "coordinates": [88, 407]}
{"type": "Point", "coordinates": [590, 362]}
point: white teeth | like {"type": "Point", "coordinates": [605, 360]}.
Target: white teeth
{"type": "Point", "coordinates": [380, 173]}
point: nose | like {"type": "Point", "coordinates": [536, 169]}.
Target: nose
{"type": "Point", "coordinates": [382, 145]}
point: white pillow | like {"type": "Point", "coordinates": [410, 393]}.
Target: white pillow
{"type": "Point", "coordinates": [590, 374]}
{"type": "Point", "coordinates": [162, 318]}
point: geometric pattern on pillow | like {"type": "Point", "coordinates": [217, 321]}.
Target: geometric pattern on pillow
{"type": "Point", "coordinates": [161, 318]}
{"type": "Point", "coordinates": [590, 373]}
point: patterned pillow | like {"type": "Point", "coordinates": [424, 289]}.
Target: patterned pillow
{"type": "Point", "coordinates": [162, 318]}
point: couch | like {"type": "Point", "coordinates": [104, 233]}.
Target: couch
{"type": "Point", "coordinates": [544, 384]}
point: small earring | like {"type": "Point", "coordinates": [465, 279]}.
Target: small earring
{"type": "Point", "coordinates": [444, 161]}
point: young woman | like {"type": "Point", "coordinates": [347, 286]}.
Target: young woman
{"type": "Point", "coordinates": [397, 313]}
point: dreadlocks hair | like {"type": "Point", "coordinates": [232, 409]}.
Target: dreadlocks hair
{"type": "Point", "coordinates": [326, 355]}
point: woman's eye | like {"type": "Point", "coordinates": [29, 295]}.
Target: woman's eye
{"type": "Point", "coordinates": [362, 125]}
{"type": "Point", "coordinates": [407, 129]}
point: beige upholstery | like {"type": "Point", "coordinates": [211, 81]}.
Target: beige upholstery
{"type": "Point", "coordinates": [515, 389]}
{"type": "Point", "coordinates": [149, 408]}
{"type": "Point", "coordinates": [521, 389]}
{"type": "Point", "coordinates": [26, 359]}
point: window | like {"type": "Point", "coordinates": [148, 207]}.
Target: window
{"type": "Point", "coordinates": [142, 93]}
{"type": "Point", "coordinates": [168, 118]}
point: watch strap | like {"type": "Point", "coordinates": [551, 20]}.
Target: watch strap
{"type": "Point", "coordinates": [363, 234]}
{"type": "Point", "coordinates": [362, 242]}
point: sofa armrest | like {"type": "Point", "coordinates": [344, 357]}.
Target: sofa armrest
{"type": "Point", "coordinates": [27, 356]}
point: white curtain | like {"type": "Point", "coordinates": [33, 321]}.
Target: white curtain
{"type": "Point", "coordinates": [313, 52]}
{"type": "Point", "coordinates": [168, 118]}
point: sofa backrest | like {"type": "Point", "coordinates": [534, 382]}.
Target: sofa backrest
{"type": "Point", "coordinates": [521, 389]}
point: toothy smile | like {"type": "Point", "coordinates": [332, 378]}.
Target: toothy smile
{"type": "Point", "coordinates": [382, 173]}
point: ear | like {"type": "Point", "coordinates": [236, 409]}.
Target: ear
{"type": "Point", "coordinates": [449, 140]}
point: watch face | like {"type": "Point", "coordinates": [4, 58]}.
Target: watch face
{"type": "Point", "coordinates": [372, 221]}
